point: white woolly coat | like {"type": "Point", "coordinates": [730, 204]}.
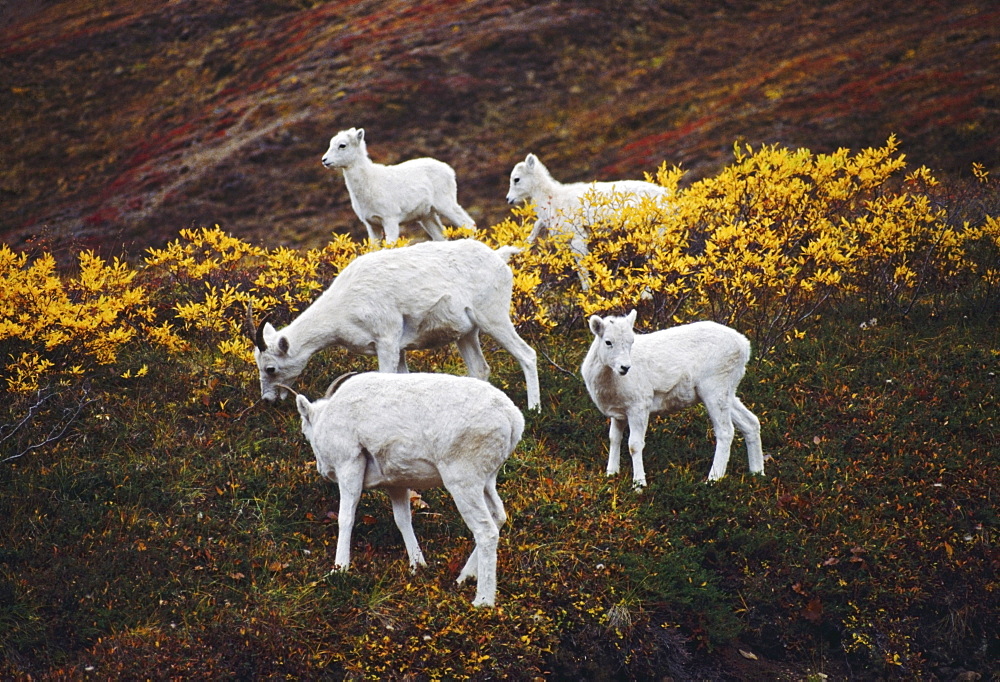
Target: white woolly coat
{"type": "Point", "coordinates": [667, 367]}
{"type": "Point", "coordinates": [393, 300]}
{"type": "Point", "coordinates": [414, 430]}
{"type": "Point", "coordinates": [402, 431]}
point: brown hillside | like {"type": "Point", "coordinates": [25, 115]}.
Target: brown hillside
{"type": "Point", "coordinates": [125, 121]}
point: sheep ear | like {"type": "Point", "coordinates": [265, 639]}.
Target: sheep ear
{"type": "Point", "coordinates": [597, 325]}
{"type": "Point", "coordinates": [283, 345]}
{"type": "Point", "coordinates": [631, 317]}
{"type": "Point", "coordinates": [303, 404]}
{"type": "Point", "coordinates": [361, 134]}
{"type": "Point", "coordinates": [530, 160]}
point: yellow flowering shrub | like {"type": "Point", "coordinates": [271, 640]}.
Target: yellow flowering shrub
{"type": "Point", "coordinates": [50, 323]}
{"type": "Point", "coordinates": [212, 278]}
{"type": "Point", "coordinates": [763, 246]}
{"type": "Point", "coordinates": [767, 243]}
{"type": "Point", "coordinates": [537, 270]}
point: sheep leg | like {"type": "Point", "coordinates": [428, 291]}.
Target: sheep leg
{"type": "Point", "coordinates": [578, 246]}
{"type": "Point", "coordinates": [390, 226]}
{"type": "Point", "coordinates": [495, 503]}
{"type": "Point", "coordinates": [457, 216]}
{"type": "Point", "coordinates": [499, 514]}
{"type": "Point", "coordinates": [389, 357]}
{"type": "Point", "coordinates": [615, 433]}
{"type": "Point", "coordinates": [535, 231]}
{"type": "Point", "coordinates": [637, 423]}
{"type": "Point", "coordinates": [350, 482]}
{"type": "Point", "coordinates": [721, 414]}
{"type": "Point", "coordinates": [401, 367]}
{"type": "Point", "coordinates": [373, 236]}
{"type": "Point", "coordinates": [504, 333]}
{"type": "Point", "coordinates": [403, 516]}
{"type": "Point", "coordinates": [433, 227]}
{"type": "Point", "coordinates": [748, 424]}
{"type": "Point", "coordinates": [472, 505]}
{"type": "Point", "coordinates": [472, 353]}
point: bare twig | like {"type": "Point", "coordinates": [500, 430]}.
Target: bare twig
{"type": "Point", "coordinates": [247, 409]}
{"type": "Point", "coordinates": [57, 431]}
{"type": "Point", "coordinates": [555, 364]}
{"type": "Point", "coordinates": [14, 428]}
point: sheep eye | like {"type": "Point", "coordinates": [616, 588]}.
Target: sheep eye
{"type": "Point", "coordinates": [271, 370]}
{"type": "Point", "coordinates": [517, 180]}
{"type": "Point", "coordinates": [343, 146]}
{"type": "Point", "coordinates": [607, 343]}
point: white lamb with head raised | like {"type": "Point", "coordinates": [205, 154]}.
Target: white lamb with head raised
{"type": "Point", "coordinates": [393, 300]}
{"type": "Point", "coordinates": [402, 431]}
{"type": "Point", "coordinates": [422, 190]}
{"type": "Point", "coordinates": [571, 208]}
{"type": "Point", "coordinates": [630, 376]}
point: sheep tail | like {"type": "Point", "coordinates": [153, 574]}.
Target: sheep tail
{"type": "Point", "coordinates": [505, 252]}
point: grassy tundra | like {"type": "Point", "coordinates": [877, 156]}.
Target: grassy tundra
{"type": "Point", "coordinates": [154, 515]}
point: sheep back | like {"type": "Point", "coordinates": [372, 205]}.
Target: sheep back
{"type": "Point", "coordinates": [434, 289]}
{"type": "Point", "coordinates": [416, 428]}
{"type": "Point", "coordinates": [409, 189]}
{"type": "Point", "coordinates": [668, 366]}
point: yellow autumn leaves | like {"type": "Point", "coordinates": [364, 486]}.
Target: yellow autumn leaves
{"type": "Point", "coordinates": [48, 322]}
{"type": "Point", "coordinates": [766, 243]}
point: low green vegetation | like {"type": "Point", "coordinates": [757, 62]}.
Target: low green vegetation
{"type": "Point", "coordinates": [157, 520]}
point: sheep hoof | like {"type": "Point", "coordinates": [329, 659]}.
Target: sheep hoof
{"type": "Point", "coordinates": [483, 601]}
{"type": "Point", "coordinates": [639, 484]}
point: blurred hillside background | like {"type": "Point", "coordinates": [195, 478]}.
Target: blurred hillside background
{"type": "Point", "coordinates": [126, 120]}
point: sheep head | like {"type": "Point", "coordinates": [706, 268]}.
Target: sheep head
{"type": "Point", "coordinates": [346, 147]}
{"type": "Point", "coordinates": [614, 338]}
{"type": "Point", "coordinates": [524, 179]}
{"type": "Point", "coordinates": [277, 362]}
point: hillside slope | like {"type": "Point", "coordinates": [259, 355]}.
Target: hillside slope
{"type": "Point", "coordinates": [127, 120]}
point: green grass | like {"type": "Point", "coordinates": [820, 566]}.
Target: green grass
{"type": "Point", "coordinates": [182, 529]}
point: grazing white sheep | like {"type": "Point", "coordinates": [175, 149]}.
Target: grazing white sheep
{"type": "Point", "coordinates": [630, 376]}
{"type": "Point", "coordinates": [422, 190]}
{"type": "Point", "coordinates": [571, 208]}
{"type": "Point", "coordinates": [390, 301]}
{"type": "Point", "coordinates": [402, 431]}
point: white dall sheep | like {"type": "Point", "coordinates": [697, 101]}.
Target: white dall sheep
{"type": "Point", "coordinates": [630, 376]}
{"type": "Point", "coordinates": [401, 431]}
{"type": "Point", "coordinates": [422, 190]}
{"type": "Point", "coordinates": [570, 209]}
{"type": "Point", "coordinates": [393, 300]}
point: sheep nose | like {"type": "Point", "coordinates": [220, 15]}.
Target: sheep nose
{"type": "Point", "coordinates": [623, 370]}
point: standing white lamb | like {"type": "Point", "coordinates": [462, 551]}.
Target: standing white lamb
{"type": "Point", "coordinates": [630, 376]}
{"type": "Point", "coordinates": [422, 190]}
{"type": "Point", "coordinates": [572, 208]}
{"type": "Point", "coordinates": [393, 300]}
{"type": "Point", "coordinates": [401, 431]}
